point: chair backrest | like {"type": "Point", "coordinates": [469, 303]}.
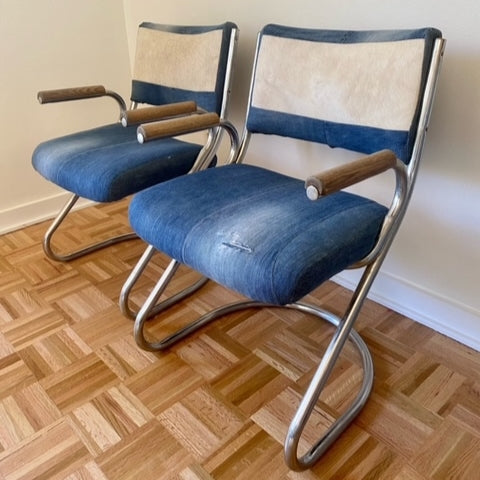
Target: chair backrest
{"type": "Point", "coordinates": [179, 63]}
{"type": "Point", "coordinates": [359, 90]}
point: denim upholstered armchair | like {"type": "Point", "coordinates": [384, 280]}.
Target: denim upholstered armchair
{"type": "Point", "coordinates": [178, 71]}
{"type": "Point", "coordinates": [273, 238]}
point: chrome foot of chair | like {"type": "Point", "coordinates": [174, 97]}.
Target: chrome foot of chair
{"type": "Point", "coordinates": [59, 257]}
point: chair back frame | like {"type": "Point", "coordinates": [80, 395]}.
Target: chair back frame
{"type": "Point", "coordinates": [215, 134]}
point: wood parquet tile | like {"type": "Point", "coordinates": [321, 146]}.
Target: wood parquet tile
{"type": "Point", "coordinates": [79, 400]}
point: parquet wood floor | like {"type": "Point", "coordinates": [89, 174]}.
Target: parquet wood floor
{"type": "Point", "coordinates": [78, 399]}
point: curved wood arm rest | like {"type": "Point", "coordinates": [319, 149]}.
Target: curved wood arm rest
{"type": "Point", "coordinates": [177, 126]}
{"type": "Point", "coordinates": [344, 176]}
{"type": "Point", "coordinates": [66, 94]}
{"type": "Point", "coordinates": [154, 113]}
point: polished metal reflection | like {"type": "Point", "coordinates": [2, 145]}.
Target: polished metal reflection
{"type": "Point", "coordinates": [344, 331]}
{"type": "Point", "coordinates": [65, 257]}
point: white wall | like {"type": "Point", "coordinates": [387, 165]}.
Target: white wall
{"type": "Point", "coordinates": [52, 44]}
{"type": "Point", "coordinates": [432, 271]}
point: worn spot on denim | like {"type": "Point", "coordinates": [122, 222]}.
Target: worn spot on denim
{"type": "Point", "coordinates": [237, 245]}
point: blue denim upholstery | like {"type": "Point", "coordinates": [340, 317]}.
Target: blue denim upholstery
{"type": "Point", "coordinates": [354, 137]}
{"type": "Point", "coordinates": [255, 231]}
{"type": "Point", "coordinates": [155, 95]}
{"type": "Point", "coordinates": [106, 164]}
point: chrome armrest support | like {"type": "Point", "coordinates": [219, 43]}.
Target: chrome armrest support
{"type": "Point", "coordinates": [394, 215]}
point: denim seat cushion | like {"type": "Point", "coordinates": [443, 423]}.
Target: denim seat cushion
{"type": "Point", "coordinates": [255, 231]}
{"type": "Point", "coordinates": [106, 164]}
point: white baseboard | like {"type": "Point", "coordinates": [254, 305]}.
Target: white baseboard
{"type": "Point", "coordinates": [34, 212]}
{"type": "Point", "coordinates": [443, 315]}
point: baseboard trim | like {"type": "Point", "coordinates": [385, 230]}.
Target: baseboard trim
{"type": "Point", "coordinates": [34, 212]}
{"type": "Point", "coordinates": [444, 315]}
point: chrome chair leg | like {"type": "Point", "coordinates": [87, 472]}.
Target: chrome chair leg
{"type": "Point", "coordinates": [155, 307]}
{"type": "Point", "coordinates": [59, 257]}
{"type": "Point", "coordinates": [315, 388]}
{"type": "Point", "coordinates": [344, 331]}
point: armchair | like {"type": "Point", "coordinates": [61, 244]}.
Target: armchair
{"type": "Point", "coordinates": [258, 232]}
{"type": "Point", "coordinates": [178, 71]}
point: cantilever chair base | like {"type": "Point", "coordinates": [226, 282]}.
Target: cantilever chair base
{"type": "Point", "coordinates": [135, 275]}
{"type": "Point", "coordinates": [344, 331]}
{"type": "Point", "coordinates": [66, 257]}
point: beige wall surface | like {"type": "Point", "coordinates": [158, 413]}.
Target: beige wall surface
{"type": "Point", "coordinates": [52, 44]}
{"type": "Point", "coordinates": [433, 270]}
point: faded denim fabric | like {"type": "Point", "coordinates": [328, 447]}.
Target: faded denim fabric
{"type": "Point", "coordinates": [143, 92]}
{"type": "Point", "coordinates": [353, 137]}
{"type": "Point", "coordinates": [351, 36]}
{"type": "Point", "coordinates": [255, 231]}
{"type": "Point", "coordinates": [106, 164]}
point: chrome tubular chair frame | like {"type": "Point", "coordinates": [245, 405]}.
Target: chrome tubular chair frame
{"type": "Point", "coordinates": [57, 221]}
{"type": "Point", "coordinates": [59, 257]}
{"type": "Point", "coordinates": [371, 263]}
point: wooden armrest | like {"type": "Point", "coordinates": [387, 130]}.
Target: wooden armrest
{"type": "Point", "coordinates": [177, 126]}
{"type": "Point", "coordinates": [344, 176]}
{"type": "Point", "coordinates": [66, 94]}
{"type": "Point", "coordinates": [151, 114]}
